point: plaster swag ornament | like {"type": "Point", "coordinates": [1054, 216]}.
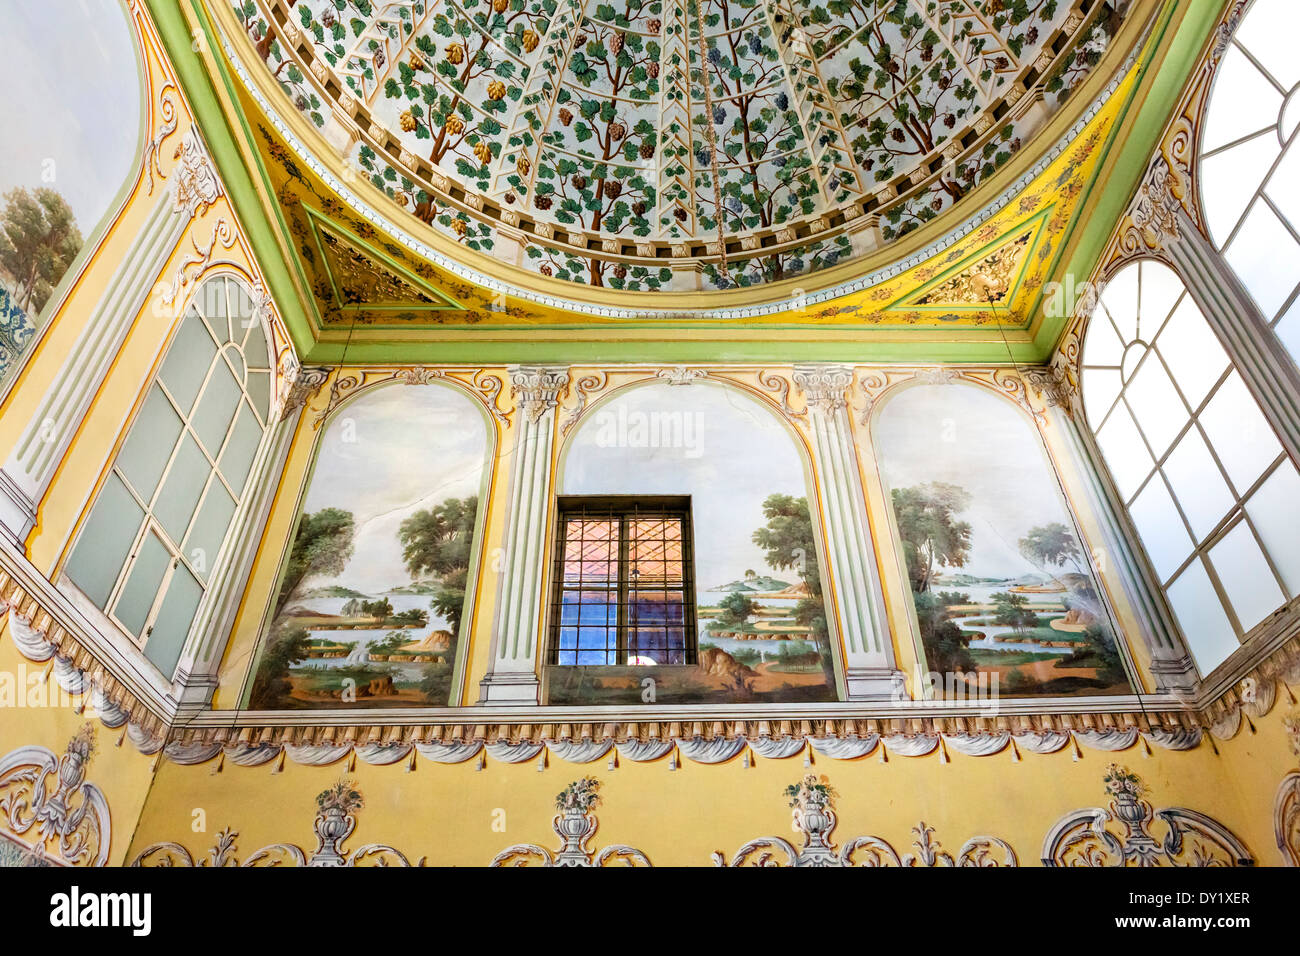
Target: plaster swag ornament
{"type": "Point", "coordinates": [49, 798]}
{"type": "Point", "coordinates": [1087, 838]}
{"type": "Point", "coordinates": [813, 815]}
{"type": "Point", "coordinates": [336, 810]}
{"type": "Point", "coordinates": [575, 825]}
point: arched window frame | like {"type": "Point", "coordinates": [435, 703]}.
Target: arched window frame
{"type": "Point", "coordinates": [180, 557]}
{"type": "Point", "coordinates": [1175, 334]}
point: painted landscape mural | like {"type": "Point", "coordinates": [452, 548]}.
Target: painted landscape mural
{"type": "Point", "coordinates": [370, 601]}
{"type": "Point", "coordinates": [762, 631]}
{"type": "Point", "coordinates": [999, 579]}
{"type": "Point", "coordinates": [69, 142]}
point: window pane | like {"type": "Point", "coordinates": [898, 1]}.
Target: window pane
{"type": "Point", "coordinates": [105, 542]}
{"type": "Point", "coordinates": [1192, 352]}
{"type": "Point", "coordinates": [1240, 435]}
{"type": "Point", "coordinates": [1243, 102]}
{"type": "Point", "coordinates": [215, 311]}
{"type": "Point", "coordinates": [1102, 345]}
{"type": "Point", "coordinates": [146, 574]}
{"type": "Point", "coordinates": [1266, 257]}
{"type": "Point", "coordinates": [1161, 288]}
{"type": "Point", "coordinates": [209, 529]}
{"type": "Point", "coordinates": [189, 473]}
{"type": "Point", "coordinates": [1229, 180]}
{"type": "Point", "coordinates": [1156, 405]}
{"type": "Point", "coordinates": [1275, 510]}
{"type": "Point", "coordinates": [256, 353]}
{"type": "Point", "coordinates": [1120, 299]}
{"type": "Point", "coordinates": [241, 311]}
{"type": "Point", "coordinates": [1101, 386]}
{"type": "Point", "coordinates": [1269, 32]}
{"type": "Point", "coordinates": [1209, 635]}
{"type": "Point", "coordinates": [1162, 530]}
{"type": "Point", "coordinates": [1197, 482]}
{"type": "Point", "coordinates": [188, 359]}
{"type": "Point", "coordinates": [258, 387]}
{"type": "Point", "coordinates": [147, 448]}
{"type": "Point", "coordinates": [1283, 188]}
{"type": "Point", "coordinates": [216, 409]}
{"type": "Point", "coordinates": [240, 449]}
{"type": "Point", "coordinates": [1125, 452]}
{"type": "Point", "coordinates": [1251, 586]}
{"type": "Point", "coordinates": [172, 625]}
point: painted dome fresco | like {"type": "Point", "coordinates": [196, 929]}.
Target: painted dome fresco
{"type": "Point", "coordinates": [673, 144]}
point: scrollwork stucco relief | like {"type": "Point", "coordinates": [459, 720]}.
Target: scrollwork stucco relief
{"type": "Point", "coordinates": [575, 824]}
{"type": "Point", "coordinates": [485, 385]}
{"type": "Point", "coordinates": [336, 820]}
{"type": "Point", "coordinates": [813, 816]}
{"type": "Point", "coordinates": [50, 807]}
{"type": "Point", "coordinates": [1286, 806]}
{"type": "Point", "coordinates": [1122, 835]}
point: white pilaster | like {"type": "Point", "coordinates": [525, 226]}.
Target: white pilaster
{"type": "Point", "coordinates": [852, 576]}
{"type": "Point", "coordinates": [513, 678]}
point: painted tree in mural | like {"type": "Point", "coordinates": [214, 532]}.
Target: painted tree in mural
{"type": "Point", "coordinates": [790, 543]}
{"type": "Point", "coordinates": [437, 542]}
{"type": "Point", "coordinates": [932, 534]}
{"type": "Point", "coordinates": [321, 546]}
{"type": "Point", "coordinates": [39, 239]}
{"type": "Point", "coordinates": [271, 684]}
{"type": "Point", "coordinates": [932, 537]}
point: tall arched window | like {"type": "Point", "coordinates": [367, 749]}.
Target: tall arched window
{"type": "Point", "coordinates": [1202, 474]}
{"type": "Point", "coordinates": [148, 549]}
{"type": "Point", "coordinates": [1250, 166]}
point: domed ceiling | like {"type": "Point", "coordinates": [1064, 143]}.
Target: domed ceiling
{"type": "Point", "coordinates": [679, 145]}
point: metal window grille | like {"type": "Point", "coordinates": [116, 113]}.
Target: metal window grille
{"type": "Point", "coordinates": [623, 582]}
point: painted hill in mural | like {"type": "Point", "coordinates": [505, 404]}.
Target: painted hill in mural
{"type": "Point", "coordinates": [757, 585]}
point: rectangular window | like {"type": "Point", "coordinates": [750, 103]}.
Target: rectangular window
{"type": "Point", "coordinates": [623, 582]}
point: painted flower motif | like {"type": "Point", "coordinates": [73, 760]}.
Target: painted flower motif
{"type": "Point", "coordinates": [342, 796]}
{"type": "Point", "coordinates": [580, 795]}
{"type": "Point", "coordinates": [496, 90]}
{"type": "Point", "coordinates": [1120, 780]}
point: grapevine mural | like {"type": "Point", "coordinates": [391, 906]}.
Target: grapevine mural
{"type": "Point", "coordinates": [371, 598]}
{"type": "Point", "coordinates": [640, 136]}
{"type": "Point", "coordinates": [1001, 582]}
{"type": "Point", "coordinates": [762, 626]}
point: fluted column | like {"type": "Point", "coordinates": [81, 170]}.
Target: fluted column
{"type": "Point", "coordinates": [852, 576]}
{"type": "Point", "coordinates": [512, 679]}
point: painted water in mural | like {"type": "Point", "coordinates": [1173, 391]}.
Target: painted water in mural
{"type": "Point", "coordinates": [762, 631]}
{"type": "Point", "coordinates": [1000, 580]}
{"type": "Point", "coordinates": [370, 601]}
{"type": "Point", "coordinates": [69, 143]}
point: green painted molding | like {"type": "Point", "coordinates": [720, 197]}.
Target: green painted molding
{"type": "Point", "coordinates": [1141, 130]}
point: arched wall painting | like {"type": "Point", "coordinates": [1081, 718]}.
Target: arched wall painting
{"type": "Point", "coordinates": [71, 130]}
{"type": "Point", "coordinates": [369, 605]}
{"type": "Point", "coordinates": [1000, 580]}
{"type": "Point", "coordinates": [762, 633]}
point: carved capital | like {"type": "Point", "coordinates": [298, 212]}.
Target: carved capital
{"type": "Point", "coordinates": [195, 186]}
{"type": "Point", "coordinates": [301, 385]}
{"type": "Point", "coordinates": [537, 388]}
{"type": "Point", "coordinates": [1152, 221]}
{"type": "Point", "coordinates": [825, 387]}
